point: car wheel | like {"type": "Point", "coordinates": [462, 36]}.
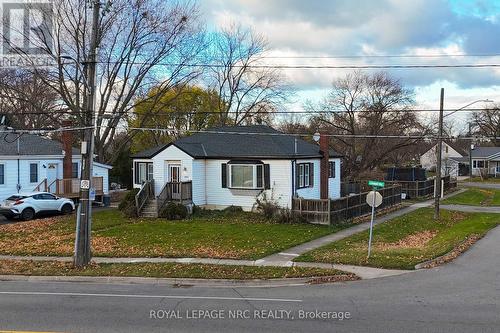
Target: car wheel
{"type": "Point", "coordinates": [28, 214]}
{"type": "Point", "coordinates": [67, 209]}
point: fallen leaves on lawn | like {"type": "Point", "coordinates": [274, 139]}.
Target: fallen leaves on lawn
{"type": "Point", "coordinates": [417, 240]}
{"type": "Point", "coordinates": [29, 226]}
{"type": "Point", "coordinates": [101, 244]}
{"type": "Point", "coordinates": [211, 252]}
{"type": "Point", "coordinates": [334, 278]}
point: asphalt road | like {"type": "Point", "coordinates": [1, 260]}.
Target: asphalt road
{"type": "Point", "coordinates": [459, 297]}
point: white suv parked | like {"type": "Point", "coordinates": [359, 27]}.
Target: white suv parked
{"type": "Point", "coordinates": [28, 205]}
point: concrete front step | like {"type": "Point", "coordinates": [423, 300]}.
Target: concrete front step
{"type": "Point", "coordinates": [150, 209]}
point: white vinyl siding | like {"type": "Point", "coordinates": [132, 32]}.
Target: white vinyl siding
{"type": "Point", "coordinates": [171, 154]}
{"type": "Point", "coordinates": [334, 182]}
{"type": "Point", "coordinates": [199, 184]}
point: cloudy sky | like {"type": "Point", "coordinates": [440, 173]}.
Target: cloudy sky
{"type": "Point", "coordinates": [299, 28]}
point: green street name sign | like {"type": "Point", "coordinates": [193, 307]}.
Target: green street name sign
{"type": "Point", "coordinates": [376, 183]}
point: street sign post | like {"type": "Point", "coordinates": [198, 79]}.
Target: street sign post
{"type": "Point", "coordinates": [376, 183]}
{"type": "Point", "coordinates": [373, 199]}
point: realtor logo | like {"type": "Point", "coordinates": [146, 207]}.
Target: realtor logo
{"type": "Point", "coordinates": [26, 30]}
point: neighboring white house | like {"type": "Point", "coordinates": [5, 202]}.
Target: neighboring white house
{"type": "Point", "coordinates": [486, 161]}
{"type": "Point", "coordinates": [29, 162]}
{"type": "Point", "coordinates": [234, 165]}
{"type": "Point", "coordinates": [451, 158]}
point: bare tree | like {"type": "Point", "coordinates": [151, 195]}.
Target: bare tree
{"type": "Point", "coordinates": [27, 101]}
{"type": "Point", "coordinates": [142, 44]}
{"type": "Point", "coordinates": [488, 123]}
{"type": "Point", "coordinates": [246, 90]}
{"type": "Point", "coordinates": [374, 105]}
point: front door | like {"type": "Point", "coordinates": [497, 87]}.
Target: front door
{"type": "Point", "coordinates": [51, 177]}
{"type": "Point", "coordinates": [174, 171]}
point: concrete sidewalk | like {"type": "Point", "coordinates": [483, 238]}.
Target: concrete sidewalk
{"type": "Point", "coordinates": [290, 254]}
{"type": "Point", "coordinates": [362, 272]}
{"type": "Point", "coordinates": [472, 209]}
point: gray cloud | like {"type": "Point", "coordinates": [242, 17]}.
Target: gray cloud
{"type": "Point", "coordinates": [383, 26]}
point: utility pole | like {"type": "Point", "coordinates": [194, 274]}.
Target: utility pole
{"type": "Point", "coordinates": [470, 152]}
{"type": "Point", "coordinates": [84, 215]}
{"type": "Point", "coordinates": [439, 148]}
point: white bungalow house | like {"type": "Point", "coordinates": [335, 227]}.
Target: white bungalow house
{"type": "Point", "coordinates": [451, 159]}
{"type": "Point", "coordinates": [228, 166]}
{"type": "Point", "coordinates": [34, 163]}
{"type": "Point", "coordinates": [485, 161]}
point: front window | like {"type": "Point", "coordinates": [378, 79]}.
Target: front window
{"type": "Point", "coordinates": [331, 169]}
{"type": "Point", "coordinates": [143, 172]}
{"type": "Point", "coordinates": [246, 176]}
{"type": "Point", "coordinates": [305, 175]}
{"type": "Point", "coordinates": [34, 173]}
{"type": "Point", "coordinates": [2, 174]}
{"type": "Point", "coordinates": [74, 170]}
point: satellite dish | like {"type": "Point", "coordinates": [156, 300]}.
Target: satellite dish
{"type": "Point", "coordinates": [316, 136]}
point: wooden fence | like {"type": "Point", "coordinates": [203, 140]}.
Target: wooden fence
{"type": "Point", "coordinates": [424, 188]}
{"type": "Point", "coordinates": [346, 208]}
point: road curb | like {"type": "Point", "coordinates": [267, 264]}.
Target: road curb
{"type": "Point", "coordinates": [175, 282]}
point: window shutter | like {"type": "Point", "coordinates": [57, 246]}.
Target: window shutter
{"type": "Point", "coordinates": [267, 177]}
{"type": "Point", "coordinates": [297, 176]}
{"type": "Point", "coordinates": [224, 175]}
{"type": "Point", "coordinates": [311, 174]}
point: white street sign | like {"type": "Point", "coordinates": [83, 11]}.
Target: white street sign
{"type": "Point", "coordinates": [85, 184]}
{"type": "Point", "coordinates": [377, 201]}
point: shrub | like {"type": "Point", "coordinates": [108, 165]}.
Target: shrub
{"type": "Point", "coordinates": [232, 209]}
{"type": "Point", "coordinates": [174, 211]}
{"type": "Point", "coordinates": [127, 205]}
{"type": "Point", "coordinates": [287, 216]}
{"type": "Point", "coordinates": [267, 207]}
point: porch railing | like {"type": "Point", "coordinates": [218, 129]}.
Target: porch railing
{"type": "Point", "coordinates": [42, 187]}
{"type": "Point", "coordinates": [145, 193]}
{"type": "Point", "coordinates": [175, 191]}
{"type": "Point", "coordinates": [69, 187]}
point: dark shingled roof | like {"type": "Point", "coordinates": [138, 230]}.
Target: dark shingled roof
{"type": "Point", "coordinates": [485, 152]}
{"type": "Point", "coordinates": [30, 144]}
{"type": "Point", "coordinates": [256, 141]}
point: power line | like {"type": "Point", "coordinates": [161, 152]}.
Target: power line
{"type": "Point", "coordinates": [205, 65]}
{"type": "Point", "coordinates": [360, 136]}
{"type": "Point", "coordinates": [41, 131]}
{"type": "Point", "coordinates": [458, 55]}
{"type": "Point", "coordinates": [107, 114]}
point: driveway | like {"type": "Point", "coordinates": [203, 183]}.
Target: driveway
{"type": "Point", "coordinates": [461, 296]}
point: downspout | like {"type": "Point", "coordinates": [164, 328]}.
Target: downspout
{"type": "Point", "coordinates": [18, 186]}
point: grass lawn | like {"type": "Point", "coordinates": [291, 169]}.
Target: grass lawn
{"type": "Point", "coordinates": [407, 240]}
{"type": "Point", "coordinates": [484, 180]}
{"type": "Point", "coordinates": [476, 197]}
{"type": "Point", "coordinates": [168, 270]}
{"type": "Point", "coordinates": [210, 234]}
